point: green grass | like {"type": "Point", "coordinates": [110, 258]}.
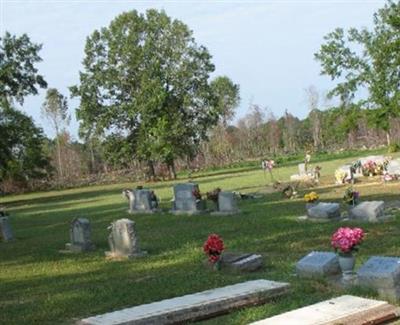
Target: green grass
{"type": "Point", "coordinates": [38, 284]}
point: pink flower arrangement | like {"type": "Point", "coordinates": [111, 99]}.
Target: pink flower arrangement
{"type": "Point", "coordinates": [346, 239]}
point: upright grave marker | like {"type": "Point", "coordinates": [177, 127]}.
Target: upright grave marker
{"type": "Point", "coordinates": [187, 200]}
{"type": "Point", "coordinates": [141, 200]}
{"type": "Point", "coordinates": [227, 204]}
{"type": "Point", "coordinates": [5, 229]}
{"type": "Point", "coordinates": [80, 233]}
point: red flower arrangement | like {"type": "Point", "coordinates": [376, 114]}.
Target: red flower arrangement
{"type": "Point", "coordinates": [213, 247]}
{"type": "Point", "coordinates": [346, 239]}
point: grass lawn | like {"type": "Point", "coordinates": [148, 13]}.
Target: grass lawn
{"type": "Point", "coordinates": [38, 284]}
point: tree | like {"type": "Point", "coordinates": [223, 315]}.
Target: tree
{"type": "Point", "coordinates": [146, 79]}
{"type": "Point", "coordinates": [369, 59]}
{"type": "Point", "coordinates": [227, 96]}
{"type": "Point", "coordinates": [315, 118]}
{"type": "Point", "coordinates": [55, 110]}
{"type": "Point", "coordinates": [18, 75]}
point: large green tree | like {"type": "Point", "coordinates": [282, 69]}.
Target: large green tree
{"type": "Point", "coordinates": [18, 74]}
{"type": "Point", "coordinates": [22, 157]}
{"type": "Point", "coordinates": [146, 79]}
{"type": "Point", "coordinates": [370, 59]}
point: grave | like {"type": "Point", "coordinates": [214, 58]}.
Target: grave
{"type": "Point", "coordinates": [141, 201]}
{"type": "Point", "coordinates": [302, 169]}
{"type": "Point", "coordinates": [318, 265]}
{"type": "Point", "coordinates": [382, 274]}
{"type": "Point", "coordinates": [80, 233]}
{"type": "Point", "coordinates": [5, 229]}
{"type": "Point", "coordinates": [226, 204]}
{"type": "Point", "coordinates": [393, 167]}
{"type": "Point", "coordinates": [324, 211]}
{"type": "Point", "coordinates": [370, 211]}
{"type": "Point", "coordinates": [123, 240]}
{"type": "Point", "coordinates": [185, 201]}
{"type": "Point", "coordinates": [241, 262]}
{"type": "Point", "coordinates": [343, 310]}
{"type": "Point", "coordinates": [195, 306]}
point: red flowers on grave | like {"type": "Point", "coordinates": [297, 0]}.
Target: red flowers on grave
{"type": "Point", "coordinates": [346, 239]}
{"type": "Point", "coordinates": [213, 248]}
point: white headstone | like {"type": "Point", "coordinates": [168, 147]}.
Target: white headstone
{"type": "Point", "coordinates": [184, 199]}
{"type": "Point", "coordinates": [302, 169]}
{"type": "Point", "coordinates": [80, 233]}
{"type": "Point", "coordinates": [393, 167]}
{"type": "Point", "coordinates": [123, 240]}
{"type": "Point", "coordinates": [318, 265]}
{"type": "Point", "coordinates": [371, 211]}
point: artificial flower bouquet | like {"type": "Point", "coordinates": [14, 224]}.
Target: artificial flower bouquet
{"type": "Point", "coordinates": [213, 247]}
{"type": "Point", "coordinates": [311, 197]}
{"type": "Point", "coordinates": [346, 240]}
{"type": "Point", "coordinates": [350, 196]}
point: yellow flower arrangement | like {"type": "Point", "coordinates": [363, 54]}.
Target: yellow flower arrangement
{"type": "Point", "coordinates": [311, 197]}
{"type": "Point", "coordinates": [340, 176]}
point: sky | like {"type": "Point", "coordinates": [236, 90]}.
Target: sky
{"type": "Point", "coordinates": [267, 47]}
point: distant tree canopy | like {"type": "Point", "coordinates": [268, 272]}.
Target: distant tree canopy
{"type": "Point", "coordinates": [146, 79]}
{"type": "Point", "coordinates": [375, 66]}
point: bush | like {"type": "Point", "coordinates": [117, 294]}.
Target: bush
{"type": "Point", "coordinates": [394, 147]}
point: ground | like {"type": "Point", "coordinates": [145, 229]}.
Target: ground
{"type": "Point", "coordinates": [38, 284]}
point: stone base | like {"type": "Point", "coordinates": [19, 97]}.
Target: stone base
{"type": "Point", "coordinates": [224, 213]}
{"type": "Point", "coordinates": [119, 256]}
{"type": "Point", "coordinates": [79, 248]}
{"type": "Point", "coordinates": [144, 211]}
{"type": "Point", "coordinates": [190, 213]}
{"type": "Point", "coordinates": [241, 262]}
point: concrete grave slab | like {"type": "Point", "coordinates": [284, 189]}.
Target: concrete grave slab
{"type": "Point", "coordinates": [195, 306]}
{"type": "Point", "coordinates": [369, 211]}
{"type": "Point", "coordinates": [343, 310]}
{"type": "Point", "coordinates": [318, 265]}
{"type": "Point", "coordinates": [241, 262]}
{"type": "Point", "coordinates": [324, 211]}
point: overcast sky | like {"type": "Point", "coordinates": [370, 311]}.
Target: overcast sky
{"type": "Point", "coordinates": [265, 46]}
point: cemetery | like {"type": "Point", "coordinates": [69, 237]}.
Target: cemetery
{"type": "Point", "coordinates": [150, 267]}
{"type": "Point", "coordinates": [141, 185]}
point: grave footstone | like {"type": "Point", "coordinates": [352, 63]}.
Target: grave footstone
{"type": "Point", "coordinates": [343, 310]}
{"type": "Point", "coordinates": [185, 201]}
{"type": "Point", "coordinates": [6, 232]}
{"type": "Point", "coordinates": [318, 265]}
{"type": "Point", "coordinates": [195, 306]}
{"type": "Point", "coordinates": [324, 211]}
{"type": "Point", "coordinates": [371, 211]}
{"type": "Point", "coordinates": [382, 274]}
{"type": "Point", "coordinates": [227, 204]}
{"type": "Point", "coordinates": [123, 240]}
{"type": "Point", "coordinates": [80, 236]}
{"type": "Point", "coordinates": [241, 262]}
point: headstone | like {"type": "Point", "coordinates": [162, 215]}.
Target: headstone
{"type": "Point", "coordinates": [226, 204]}
{"type": "Point", "coordinates": [241, 262]}
{"type": "Point", "coordinates": [141, 200]}
{"type": "Point", "coordinates": [324, 211]}
{"type": "Point", "coordinates": [302, 169]}
{"type": "Point", "coordinates": [342, 310]}
{"type": "Point", "coordinates": [5, 229]}
{"type": "Point", "coordinates": [123, 240]}
{"type": "Point", "coordinates": [318, 265]}
{"type": "Point", "coordinates": [80, 233]}
{"type": "Point", "coordinates": [382, 274]}
{"type": "Point", "coordinates": [393, 167]}
{"type": "Point", "coordinates": [371, 211]}
{"type": "Point", "coordinates": [185, 201]}
{"type": "Point", "coordinates": [195, 306]}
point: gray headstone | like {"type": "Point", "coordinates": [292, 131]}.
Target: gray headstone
{"type": "Point", "coordinates": [5, 229]}
{"type": "Point", "coordinates": [371, 211]}
{"type": "Point", "coordinates": [80, 236]}
{"type": "Point", "coordinates": [123, 240]}
{"type": "Point", "coordinates": [143, 201]}
{"type": "Point", "coordinates": [318, 265]}
{"type": "Point", "coordinates": [382, 274]}
{"type": "Point", "coordinates": [241, 262]}
{"type": "Point", "coordinates": [191, 307]}
{"type": "Point", "coordinates": [324, 211]}
{"type": "Point", "coordinates": [302, 169]}
{"type": "Point", "coordinates": [393, 167]}
{"type": "Point", "coordinates": [227, 203]}
{"type": "Point", "coordinates": [185, 201]}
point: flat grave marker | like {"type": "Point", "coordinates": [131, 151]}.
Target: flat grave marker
{"type": "Point", "coordinates": [318, 265]}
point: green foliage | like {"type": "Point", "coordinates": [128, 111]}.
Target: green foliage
{"type": "Point", "coordinates": [18, 75]}
{"type": "Point", "coordinates": [393, 147]}
{"type": "Point", "coordinates": [227, 97]}
{"type": "Point", "coordinates": [146, 79]}
{"type": "Point", "coordinates": [375, 67]}
{"type": "Point", "coordinates": [22, 156]}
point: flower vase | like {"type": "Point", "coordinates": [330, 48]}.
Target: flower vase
{"type": "Point", "coordinates": [217, 265]}
{"type": "Point", "coordinates": [347, 262]}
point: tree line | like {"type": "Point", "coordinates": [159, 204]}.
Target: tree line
{"type": "Point", "coordinates": [148, 106]}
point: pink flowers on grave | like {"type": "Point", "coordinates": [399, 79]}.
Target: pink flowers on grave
{"type": "Point", "coordinates": [346, 239]}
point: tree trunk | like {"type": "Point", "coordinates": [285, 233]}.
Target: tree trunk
{"type": "Point", "coordinates": [60, 169]}
{"type": "Point", "coordinates": [388, 139]}
{"type": "Point", "coordinates": [171, 168]}
{"type": "Point", "coordinates": [151, 171]}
